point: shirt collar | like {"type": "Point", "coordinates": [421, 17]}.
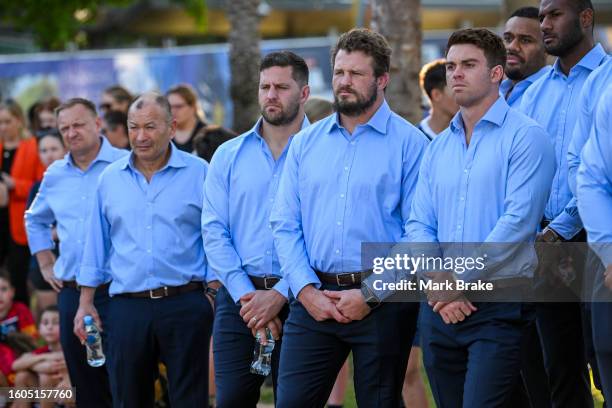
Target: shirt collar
{"type": "Point", "coordinates": [255, 129]}
{"type": "Point", "coordinates": [175, 160]}
{"type": "Point", "coordinates": [590, 61]}
{"type": "Point", "coordinates": [507, 83]}
{"type": "Point", "coordinates": [105, 154]}
{"type": "Point", "coordinates": [495, 115]}
{"type": "Point", "coordinates": [378, 121]}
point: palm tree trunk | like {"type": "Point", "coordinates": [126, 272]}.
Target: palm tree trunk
{"type": "Point", "coordinates": [244, 61]}
{"type": "Point", "coordinates": [400, 22]}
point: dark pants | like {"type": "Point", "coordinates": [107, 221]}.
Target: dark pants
{"type": "Point", "coordinates": [563, 344]}
{"type": "Point", "coordinates": [91, 383]}
{"type": "Point", "coordinates": [313, 353]}
{"type": "Point", "coordinates": [175, 330]}
{"type": "Point", "coordinates": [233, 345]}
{"type": "Point", "coordinates": [18, 264]}
{"type": "Point", "coordinates": [474, 363]}
{"type": "Point", "coordinates": [601, 321]}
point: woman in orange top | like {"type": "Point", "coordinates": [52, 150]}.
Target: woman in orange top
{"type": "Point", "coordinates": [20, 167]}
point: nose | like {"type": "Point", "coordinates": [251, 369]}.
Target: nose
{"type": "Point", "coordinates": [272, 93]}
{"type": "Point", "coordinates": [545, 25]}
{"type": "Point", "coordinates": [513, 45]}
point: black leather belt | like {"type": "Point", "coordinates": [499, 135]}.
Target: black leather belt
{"type": "Point", "coordinates": [264, 282]}
{"type": "Point", "coordinates": [345, 278]}
{"type": "Point", "coordinates": [72, 284]}
{"type": "Point", "coordinates": [165, 291]}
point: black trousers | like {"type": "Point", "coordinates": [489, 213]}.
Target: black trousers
{"type": "Point", "coordinates": [233, 345]}
{"type": "Point", "coordinates": [175, 330]}
{"type": "Point", "coordinates": [91, 383]}
{"type": "Point", "coordinates": [18, 264]}
{"type": "Point", "coordinates": [313, 352]}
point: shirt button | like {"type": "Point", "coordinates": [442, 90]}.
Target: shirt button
{"type": "Point", "coordinates": [270, 226]}
{"type": "Point", "coordinates": [338, 223]}
{"type": "Point", "coordinates": [148, 251]}
{"type": "Point", "coordinates": [337, 251]}
{"type": "Point", "coordinates": [353, 143]}
{"type": "Point", "coordinates": [267, 252]}
{"type": "Point", "coordinates": [148, 227]}
{"type": "Point", "coordinates": [83, 197]}
{"type": "Point", "coordinates": [275, 175]}
{"type": "Point", "coordinates": [345, 168]}
{"type": "Point", "coordinates": [341, 195]}
{"type": "Point", "coordinates": [271, 200]}
{"type": "Point", "coordinates": [79, 241]}
{"type": "Point", "coordinates": [465, 171]}
{"type": "Point", "coordinates": [462, 198]}
{"type": "Point", "coordinates": [459, 226]}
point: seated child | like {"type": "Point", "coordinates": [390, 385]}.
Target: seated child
{"type": "Point", "coordinates": [15, 318]}
{"type": "Point", "coordinates": [45, 366]}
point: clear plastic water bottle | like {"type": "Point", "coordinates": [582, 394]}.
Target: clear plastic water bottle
{"type": "Point", "coordinates": [262, 355]}
{"type": "Point", "coordinates": [93, 342]}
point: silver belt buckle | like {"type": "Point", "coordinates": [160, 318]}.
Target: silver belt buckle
{"type": "Point", "coordinates": [345, 284]}
{"type": "Point", "coordinates": [152, 296]}
{"type": "Point", "coordinates": [266, 278]}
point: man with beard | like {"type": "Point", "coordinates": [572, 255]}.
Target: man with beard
{"type": "Point", "coordinates": [526, 57]}
{"type": "Point", "coordinates": [567, 27]}
{"type": "Point", "coordinates": [239, 189]}
{"type": "Point", "coordinates": [348, 179]}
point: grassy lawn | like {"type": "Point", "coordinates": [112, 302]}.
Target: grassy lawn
{"type": "Point", "coordinates": [267, 397]}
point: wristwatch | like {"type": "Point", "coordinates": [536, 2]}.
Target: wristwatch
{"type": "Point", "coordinates": [550, 235]}
{"type": "Point", "coordinates": [370, 298]}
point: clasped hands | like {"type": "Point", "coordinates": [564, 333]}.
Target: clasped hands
{"type": "Point", "coordinates": [342, 306]}
{"type": "Point", "coordinates": [451, 304]}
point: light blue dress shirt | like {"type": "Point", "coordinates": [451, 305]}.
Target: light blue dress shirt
{"type": "Point", "coordinates": [593, 88]}
{"type": "Point", "coordinates": [239, 191]}
{"type": "Point", "coordinates": [552, 102]}
{"type": "Point", "coordinates": [339, 190]}
{"type": "Point", "coordinates": [516, 95]}
{"type": "Point", "coordinates": [594, 181]}
{"type": "Point", "coordinates": [149, 234]}
{"type": "Point", "coordinates": [492, 191]}
{"type": "Point", "coordinates": [65, 197]}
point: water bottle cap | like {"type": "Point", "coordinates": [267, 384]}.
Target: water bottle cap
{"type": "Point", "coordinates": [88, 320]}
{"type": "Point", "coordinates": [91, 339]}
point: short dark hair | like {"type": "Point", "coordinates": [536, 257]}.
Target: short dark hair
{"type": "Point", "coordinates": [86, 103]}
{"type": "Point", "coordinates": [119, 93]}
{"type": "Point", "coordinates": [116, 118]}
{"type": "Point", "coordinates": [299, 68]}
{"type": "Point", "coordinates": [50, 308]}
{"type": "Point", "coordinates": [490, 43]}
{"type": "Point", "coordinates": [209, 138]}
{"type": "Point", "coordinates": [527, 12]}
{"type": "Point", "coordinates": [582, 5]}
{"type": "Point", "coordinates": [433, 76]}
{"type": "Point", "coordinates": [370, 43]}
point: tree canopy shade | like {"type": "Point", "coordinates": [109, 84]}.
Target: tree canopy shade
{"type": "Point", "coordinates": [55, 23]}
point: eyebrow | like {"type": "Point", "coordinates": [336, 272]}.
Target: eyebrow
{"type": "Point", "coordinates": [462, 61]}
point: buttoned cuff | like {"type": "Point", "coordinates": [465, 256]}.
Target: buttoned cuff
{"type": "Point", "coordinates": [238, 286]}
{"type": "Point", "coordinates": [298, 280]}
{"type": "Point", "coordinates": [566, 225]}
{"type": "Point", "coordinates": [91, 276]}
{"type": "Point", "coordinates": [40, 243]}
{"type": "Point", "coordinates": [282, 287]}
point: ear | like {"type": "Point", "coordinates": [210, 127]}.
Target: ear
{"type": "Point", "coordinates": [304, 94]}
{"type": "Point", "coordinates": [382, 81]}
{"type": "Point", "coordinates": [436, 95]}
{"type": "Point", "coordinates": [497, 73]}
{"type": "Point", "coordinates": [172, 128]}
{"type": "Point", "coordinates": [98, 125]}
{"type": "Point", "coordinates": [586, 18]}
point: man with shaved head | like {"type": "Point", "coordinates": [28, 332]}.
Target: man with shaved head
{"type": "Point", "coordinates": [145, 233]}
{"type": "Point", "coordinates": [553, 101]}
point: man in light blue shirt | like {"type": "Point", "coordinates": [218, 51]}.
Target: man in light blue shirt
{"type": "Point", "coordinates": [348, 179]}
{"type": "Point", "coordinates": [145, 232]}
{"type": "Point", "coordinates": [240, 186]}
{"type": "Point", "coordinates": [567, 28]}
{"type": "Point", "coordinates": [65, 198]}
{"type": "Point", "coordinates": [526, 61]}
{"type": "Point", "coordinates": [593, 89]}
{"type": "Point", "coordinates": [484, 180]}
{"type": "Point", "coordinates": [594, 191]}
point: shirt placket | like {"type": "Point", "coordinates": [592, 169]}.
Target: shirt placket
{"type": "Point", "coordinates": [468, 158]}
{"type": "Point", "coordinates": [348, 159]}
{"type": "Point", "coordinates": [272, 189]}
{"type": "Point", "coordinates": [148, 190]}
{"type": "Point", "coordinates": [80, 216]}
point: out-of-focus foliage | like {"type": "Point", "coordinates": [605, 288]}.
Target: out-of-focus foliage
{"type": "Point", "coordinates": [55, 23]}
